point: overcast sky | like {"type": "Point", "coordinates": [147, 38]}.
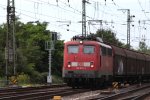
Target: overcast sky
{"type": "Point", "coordinates": [64, 15]}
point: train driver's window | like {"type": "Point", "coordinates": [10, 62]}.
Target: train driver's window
{"type": "Point", "coordinates": [73, 49]}
{"type": "Point", "coordinates": [88, 49]}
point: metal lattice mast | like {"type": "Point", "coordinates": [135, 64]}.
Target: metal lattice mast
{"type": "Point", "coordinates": [10, 37]}
{"type": "Point", "coordinates": [83, 18]}
{"type": "Point", "coordinates": [128, 28]}
{"type": "Point", "coordinates": [129, 17]}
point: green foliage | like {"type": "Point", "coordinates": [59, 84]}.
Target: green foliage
{"type": "Point", "coordinates": [23, 79]}
{"type": "Point", "coordinates": [57, 58]}
{"type": "Point", "coordinates": [57, 79]}
{"type": "Point", "coordinates": [143, 47]}
{"type": "Point", "coordinates": [32, 58]}
{"type": "Point", "coordinates": [109, 37]}
{"type": "Point", "coordinates": [2, 82]}
{"type": "Point", "coordinates": [31, 51]}
{"type": "Point", "coordinates": [38, 78]}
{"type": "Point", "coordinates": [2, 48]}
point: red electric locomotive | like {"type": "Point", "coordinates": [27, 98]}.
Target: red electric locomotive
{"type": "Point", "coordinates": [87, 62]}
{"type": "Point", "coordinates": [94, 63]}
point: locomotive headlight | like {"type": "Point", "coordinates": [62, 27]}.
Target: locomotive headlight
{"type": "Point", "coordinates": [81, 42]}
{"type": "Point", "coordinates": [69, 64]}
{"type": "Point", "coordinates": [92, 65]}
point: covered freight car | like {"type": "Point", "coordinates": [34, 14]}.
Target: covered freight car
{"type": "Point", "coordinates": [130, 65]}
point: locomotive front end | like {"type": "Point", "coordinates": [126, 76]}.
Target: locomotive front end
{"type": "Point", "coordinates": [80, 62]}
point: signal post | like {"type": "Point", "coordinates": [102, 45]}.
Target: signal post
{"type": "Point", "coordinates": [49, 45]}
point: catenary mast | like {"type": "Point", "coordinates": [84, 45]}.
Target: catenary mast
{"type": "Point", "coordinates": [10, 38]}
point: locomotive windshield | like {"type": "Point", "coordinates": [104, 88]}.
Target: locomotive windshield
{"type": "Point", "coordinates": [73, 49]}
{"type": "Point", "coordinates": [88, 49]}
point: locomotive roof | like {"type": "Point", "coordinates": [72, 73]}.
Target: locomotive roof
{"type": "Point", "coordinates": [75, 42]}
{"type": "Point", "coordinates": [105, 45]}
{"type": "Point", "coordinates": [90, 42]}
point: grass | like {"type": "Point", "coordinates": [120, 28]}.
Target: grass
{"type": "Point", "coordinates": [57, 79]}
{"type": "Point", "coordinates": [23, 80]}
{"type": "Point", "coordinates": [2, 82]}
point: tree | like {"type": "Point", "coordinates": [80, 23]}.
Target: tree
{"type": "Point", "coordinates": [57, 57]}
{"type": "Point", "coordinates": [143, 47]}
{"type": "Point", "coordinates": [109, 37]}
{"type": "Point", "coordinates": [30, 39]}
{"type": "Point", "coordinates": [3, 31]}
{"type": "Point", "coordinates": [32, 58]}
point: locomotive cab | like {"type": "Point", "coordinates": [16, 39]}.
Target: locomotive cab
{"type": "Point", "coordinates": [86, 62]}
{"type": "Point", "coordinates": [80, 61]}
{"type": "Point", "coordinates": [79, 56]}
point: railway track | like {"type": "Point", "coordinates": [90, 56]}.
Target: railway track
{"type": "Point", "coordinates": [134, 93]}
{"type": "Point", "coordinates": [11, 89]}
{"type": "Point", "coordinates": [38, 93]}
{"type": "Point", "coordinates": [48, 92]}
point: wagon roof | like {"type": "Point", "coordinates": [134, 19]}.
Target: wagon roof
{"type": "Point", "coordinates": [118, 51]}
{"type": "Point", "coordinates": [140, 56]}
{"type": "Point", "coordinates": [147, 57]}
{"type": "Point", "coordinates": [130, 53]}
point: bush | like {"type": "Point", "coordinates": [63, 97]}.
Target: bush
{"type": "Point", "coordinates": [39, 78]}
{"type": "Point", "coordinates": [2, 82]}
{"type": "Point", "coordinates": [57, 79]}
{"type": "Point", "coordinates": [23, 79]}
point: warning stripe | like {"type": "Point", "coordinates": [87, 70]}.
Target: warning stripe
{"type": "Point", "coordinates": [115, 85]}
